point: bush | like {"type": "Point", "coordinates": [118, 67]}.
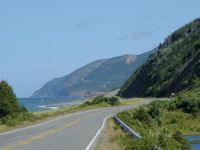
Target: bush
{"type": "Point", "coordinates": [195, 112]}
{"type": "Point", "coordinates": [189, 105]}
{"type": "Point", "coordinates": [112, 101]}
{"type": "Point", "coordinates": [166, 142]}
{"type": "Point", "coordinates": [8, 101]}
{"type": "Point", "coordinates": [147, 143]}
{"type": "Point", "coordinates": [171, 106]}
{"type": "Point", "coordinates": [13, 120]}
{"type": "Point", "coordinates": [155, 109]}
{"type": "Point", "coordinates": [174, 120]}
{"type": "Point", "coordinates": [100, 99]}
{"type": "Point", "coordinates": [178, 136]}
{"type": "Point", "coordinates": [142, 115]}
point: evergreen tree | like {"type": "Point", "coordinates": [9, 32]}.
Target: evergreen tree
{"type": "Point", "coordinates": [8, 101]}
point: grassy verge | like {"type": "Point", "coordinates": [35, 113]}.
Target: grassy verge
{"type": "Point", "coordinates": [172, 121]}
{"type": "Point", "coordinates": [113, 137]}
{"type": "Point", "coordinates": [26, 119]}
{"type": "Point", "coordinates": [163, 123]}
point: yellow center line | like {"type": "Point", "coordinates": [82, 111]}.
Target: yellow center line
{"type": "Point", "coordinates": [42, 135]}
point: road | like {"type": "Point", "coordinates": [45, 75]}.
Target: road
{"type": "Point", "coordinates": [77, 131]}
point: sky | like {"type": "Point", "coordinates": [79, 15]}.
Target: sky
{"type": "Point", "coordinates": [44, 39]}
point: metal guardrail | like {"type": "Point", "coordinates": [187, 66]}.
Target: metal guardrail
{"type": "Point", "coordinates": [134, 134]}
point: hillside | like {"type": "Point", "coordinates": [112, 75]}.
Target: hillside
{"type": "Point", "coordinates": [95, 78]}
{"type": "Point", "coordinates": [173, 68]}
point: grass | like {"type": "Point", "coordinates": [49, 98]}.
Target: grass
{"type": "Point", "coordinates": [164, 121]}
{"type": "Point", "coordinates": [113, 137]}
{"type": "Point", "coordinates": [172, 121]}
{"type": "Point", "coordinates": [182, 121]}
{"type": "Point", "coordinates": [26, 119]}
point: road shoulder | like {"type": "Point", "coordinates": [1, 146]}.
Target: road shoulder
{"type": "Point", "coordinates": [112, 137]}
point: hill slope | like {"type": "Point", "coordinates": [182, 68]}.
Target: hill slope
{"type": "Point", "coordinates": [95, 78]}
{"type": "Point", "coordinates": [173, 68]}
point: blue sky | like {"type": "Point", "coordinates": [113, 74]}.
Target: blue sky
{"type": "Point", "coordinates": [43, 39]}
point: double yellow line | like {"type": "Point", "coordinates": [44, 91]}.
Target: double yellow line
{"type": "Point", "coordinates": [42, 135]}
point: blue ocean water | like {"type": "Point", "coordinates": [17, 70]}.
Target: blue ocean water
{"type": "Point", "coordinates": [194, 138]}
{"type": "Point", "coordinates": [40, 104]}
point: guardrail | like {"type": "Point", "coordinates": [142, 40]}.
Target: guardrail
{"type": "Point", "coordinates": [134, 134]}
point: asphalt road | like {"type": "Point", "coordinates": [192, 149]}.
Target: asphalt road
{"type": "Point", "coordinates": [77, 131]}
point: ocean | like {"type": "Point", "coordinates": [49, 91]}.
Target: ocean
{"type": "Point", "coordinates": [41, 104]}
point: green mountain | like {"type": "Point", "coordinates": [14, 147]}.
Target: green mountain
{"type": "Point", "coordinates": [95, 78]}
{"type": "Point", "coordinates": [173, 68]}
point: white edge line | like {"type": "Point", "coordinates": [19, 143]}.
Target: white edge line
{"type": "Point", "coordinates": [21, 129]}
{"type": "Point", "coordinates": [97, 134]}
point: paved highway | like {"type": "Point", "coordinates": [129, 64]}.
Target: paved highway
{"type": "Point", "coordinates": [77, 131]}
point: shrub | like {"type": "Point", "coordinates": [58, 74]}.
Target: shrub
{"type": "Point", "coordinates": [100, 99]}
{"type": "Point", "coordinates": [188, 105]}
{"type": "Point", "coordinates": [8, 101]}
{"type": "Point", "coordinates": [171, 106]}
{"type": "Point", "coordinates": [13, 120]}
{"type": "Point", "coordinates": [142, 115]}
{"type": "Point", "coordinates": [167, 143]}
{"type": "Point", "coordinates": [178, 136]}
{"type": "Point", "coordinates": [195, 112]}
{"type": "Point", "coordinates": [147, 143]}
{"type": "Point", "coordinates": [174, 119]}
{"type": "Point", "coordinates": [155, 109]}
{"type": "Point", "coordinates": [112, 101]}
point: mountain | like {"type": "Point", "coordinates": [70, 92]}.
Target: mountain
{"type": "Point", "coordinates": [95, 78]}
{"type": "Point", "coordinates": [173, 68]}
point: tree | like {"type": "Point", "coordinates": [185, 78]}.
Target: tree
{"type": "Point", "coordinates": [113, 101]}
{"type": "Point", "coordinates": [8, 101]}
{"type": "Point", "coordinates": [197, 45]}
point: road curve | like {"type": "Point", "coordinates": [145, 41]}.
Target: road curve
{"type": "Point", "coordinates": [77, 131]}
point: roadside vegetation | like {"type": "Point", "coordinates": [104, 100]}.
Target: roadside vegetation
{"type": "Point", "coordinates": [15, 118]}
{"type": "Point", "coordinates": [113, 137]}
{"type": "Point", "coordinates": [100, 100]}
{"type": "Point", "coordinates": [163, 123]}
{"type": "Point", "coordinates": [13, 115]}
{"type": "Point", "coordinates": [9, 106]}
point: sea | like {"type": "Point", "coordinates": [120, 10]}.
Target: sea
{"type": "Point", "coordinates": [41, 104]}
